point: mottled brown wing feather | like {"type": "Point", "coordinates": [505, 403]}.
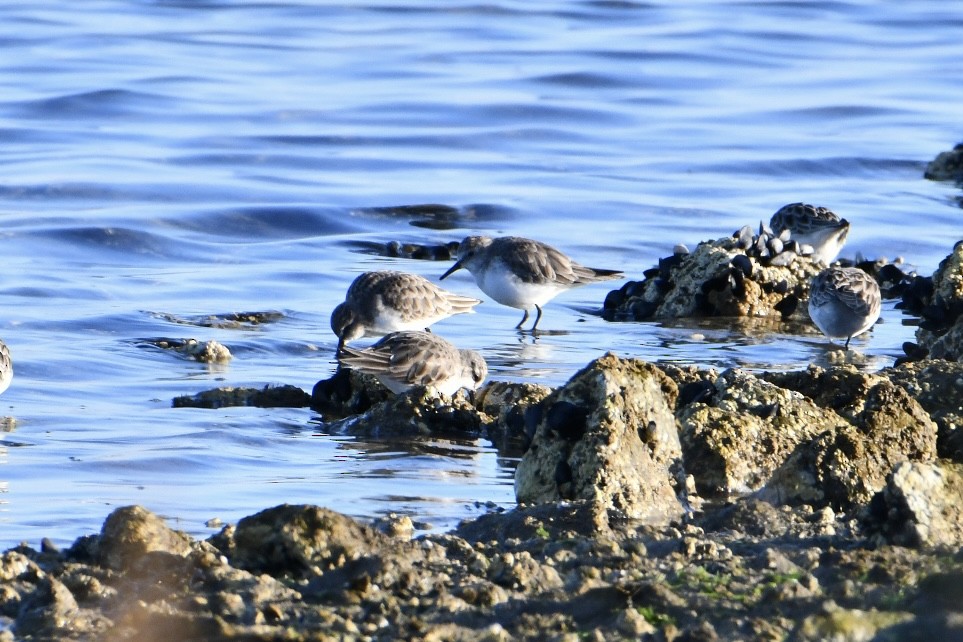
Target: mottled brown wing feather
{"type": "Point", "coordinates": [536, 262]}
{"type": "Point", "coordinates": [419, 357]}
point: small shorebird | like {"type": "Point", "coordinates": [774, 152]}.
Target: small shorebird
{"type": "Point", "coordinates": [844, 302]}
{"type": "Point", "coordinates": [6, 367]}
{"type": "Point", "coordinates": [401, 360]}
{"type": "Point", "coordinates": [387, 301]}
{"type": "Point", "coordinates": [815, 226]}
{"type": "Point", "coordinates": [522, 273]}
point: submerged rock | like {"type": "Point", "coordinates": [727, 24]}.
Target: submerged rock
{"type": "Point", "coordinates": [419, 251]}
{"type": "Point", "coordinates": [203, 351]}
{"type": "Point", "coordinates": [285, 396]}
{"type": "Point", "coordinates": [607, 437]}
{"type": "Point", "coordinates": [229, 321]}
{"type": "Point", "coordinates": [947, 166]}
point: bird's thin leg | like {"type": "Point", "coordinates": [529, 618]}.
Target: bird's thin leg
{"type": "Point", "coordinates": [846, 347]}
{"type": "Point", "coordinates": [522, 322]}
{"type": "Point", "coordinates": [538, 318]}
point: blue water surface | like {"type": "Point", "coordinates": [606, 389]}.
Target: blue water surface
{"type": "Point", "coordinates": [161, 162]}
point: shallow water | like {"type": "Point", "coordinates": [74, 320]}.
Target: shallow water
{"type": "Point", "coordinates": [167, 161]}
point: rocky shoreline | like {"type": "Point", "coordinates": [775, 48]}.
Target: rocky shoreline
{"type": "Point", "coordinates": [656, 502]}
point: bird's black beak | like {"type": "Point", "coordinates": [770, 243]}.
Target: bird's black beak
{"type": "Point", "coordinates": [454, 268]}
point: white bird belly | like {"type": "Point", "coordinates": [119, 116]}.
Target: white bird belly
{"type": "Point", "coordinates": [507, 289]}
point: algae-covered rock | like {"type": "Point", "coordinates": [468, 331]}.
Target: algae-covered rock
{"type": "Point", "coordinates": [847, 625]}
{"type": "Point", "coordinates": [608, 437]}
{"type": "Point", "coordinates": [920, 505]}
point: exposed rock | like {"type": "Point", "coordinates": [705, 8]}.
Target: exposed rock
{"type": "Point", "coordinates": [132, 532]}
{"type": "Point", "coordinates": [941, 330]}
{"type": "Point", "coordinates": [734, 440]}
{"type": "Point", "coordinates": [607, 437]}
{"type": "Point", "coordinates": [512, 405]}
{"type": "Point", "coordinates": [419, 411]}
{"type": "Point", "coordinates": [300, 541]}
{"type": "Point", "coordinates": [749, 515]}
{"type": "Point", "coordinates": [846, 466]}
{"type": "Point", "coordinates": [285, 396]}
{"type": "Point", "coordinates": [938, 387]}
{"type": "Point", "coordinates": [347, 392]}
{"type": "Point", "coordinates": [394, 525]}
{"type": "Point", "coordinates": [920, 505]}
{"type": "Point", "coordinates": [51, 612]}
{"type": "Point", "coordinates": [303, 573]}
{"type": "Point", "coordinates": [948, 277]}
{"type": "Point", "coordinates": [948, 345]}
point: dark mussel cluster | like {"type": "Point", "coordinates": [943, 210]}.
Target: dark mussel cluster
{"type": "Point", "coordinates": [770, 248]}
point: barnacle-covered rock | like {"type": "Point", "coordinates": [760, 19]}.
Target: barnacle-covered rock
{"type": "Point", "coordinates": [937, 386]}
{"type": "Point", "coordinates": [746, 275]}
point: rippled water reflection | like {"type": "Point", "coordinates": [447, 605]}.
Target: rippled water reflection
{"type": "Point", "coordinates": [163, 162]}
